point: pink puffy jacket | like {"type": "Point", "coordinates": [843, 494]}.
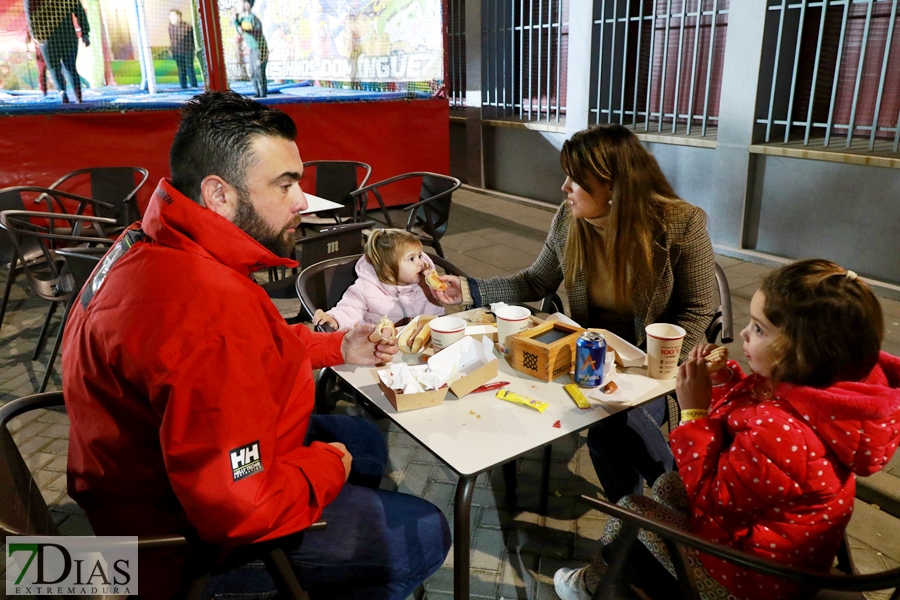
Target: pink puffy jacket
{"type": "Point", "coordinates": [368, 299]}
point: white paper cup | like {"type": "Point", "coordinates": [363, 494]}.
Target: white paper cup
{"type": "Point", "coordinates": [663, 348]}
{"type": "Point", "coordinates": [445, 331]}
{"type": "Point", "coordinates": [510, 321]}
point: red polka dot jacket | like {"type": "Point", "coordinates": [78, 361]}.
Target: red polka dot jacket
{"type": "Point", "coordinates": [772, 473]}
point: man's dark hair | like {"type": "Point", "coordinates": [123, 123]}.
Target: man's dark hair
{"type": "Point", "coordinates": [214, 138]}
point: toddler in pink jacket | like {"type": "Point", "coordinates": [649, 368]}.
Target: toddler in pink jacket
{"type": "Point", "coordinates": [390, 282]}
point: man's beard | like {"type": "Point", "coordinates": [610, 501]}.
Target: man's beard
{"type": "Point", "coordinates": [248, 220]}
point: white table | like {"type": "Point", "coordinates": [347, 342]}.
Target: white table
{"type": "Point", "coordinates": [479, 431]}
{"type": "Point", "coordinates": [317, 204]}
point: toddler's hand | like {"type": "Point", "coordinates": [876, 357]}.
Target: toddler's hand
{"type": "Point", "coordinates": [693, 386]}
{"type": "Point", "coordinates": [323, 317]}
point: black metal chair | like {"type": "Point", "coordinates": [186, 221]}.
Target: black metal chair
{"type": "Point", "coordinates": [116, 187]}
{"type": "Point", "coordinates": [427, 217]}
{"type": "Point", "coordinates": [723, 322]}
{"type": "Point", "coordinates": [845, 585]}
{"type": "Point", "coordinates": [336, 180]}
{"type": "Point", "coordinates": [30, 252]}
{"type": "Point", "coordinates": [321, 286]}
{"type": "Point", "coordinates": [23, 511]}
{"type": "Point", "coordinates": [48, 279]}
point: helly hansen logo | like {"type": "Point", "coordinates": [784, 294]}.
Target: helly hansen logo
{"type": "Point", "coordinates": [245, 461]}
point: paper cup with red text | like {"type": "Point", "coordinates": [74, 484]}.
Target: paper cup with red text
{"type": "Point", "coordinates": [663, 348]}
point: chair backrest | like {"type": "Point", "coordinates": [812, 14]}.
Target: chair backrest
{"type": "Point", "coordinates": [11, 199]}
{"type": "Point", "coordinates": [433, 217]}
{"type": "Point", "coordinates": [81, 263]}
{"type": "Point", "coordinates": [333, 242]}
{"type": "Point", "coordinates": [45, 279]}
{"type": "Point", "coordinates": [117, 186]}
{"type": "Point", "coordinates": [336, 179]}
{"type": "Point", "coordinates": [723, 321]}
{"type": "Point", "coordinates": [322, 285]}
{"type": "Point", "coordinates": [22, 508]}
{"type": "Point", "coordinates": [675, 539]}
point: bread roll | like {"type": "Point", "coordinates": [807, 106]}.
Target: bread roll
{"type": "Point", "coordinates": [716, 359]}
{"type": "Point", "coordinates": [378, 336]}
{"type": "Point", "coordinates": [434, 282]}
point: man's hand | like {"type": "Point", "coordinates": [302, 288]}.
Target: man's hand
{"type": "Point", "coordinates": [346, 459]}
{"type": "Point", "coordinates": [453, 293]}
{"type": "Point", "coordinates": [693, 386]}
{"type": "Point", "coordinates": [358, 350]}
{"type": "Point", "coordinates": [323, 317]}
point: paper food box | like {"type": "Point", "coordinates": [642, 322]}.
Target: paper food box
{"type": "Point", "coordinates": [627, 354]}
{"type": "Point", "coordinates": [470, 362]}
{"type": "Point", "coordinates": [406, 387]}
{"type": "Point", "coordinates": [465, 365]}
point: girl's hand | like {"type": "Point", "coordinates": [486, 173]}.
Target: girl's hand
{"type": "Point", "coordinates": [693, 386]}
{"type": "Point", "coordinates": [453, 293]}
{"type": "Point", "coordinates": [323, 317]}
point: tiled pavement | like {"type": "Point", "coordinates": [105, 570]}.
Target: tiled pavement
{"type": "Point", "coordinates": [515, 551]}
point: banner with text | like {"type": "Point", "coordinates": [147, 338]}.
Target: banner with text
{"type": "Point", "coordinates": [336, 40]}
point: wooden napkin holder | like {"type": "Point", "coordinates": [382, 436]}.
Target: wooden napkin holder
{"type": "Point", "coordinates": [546, 351]}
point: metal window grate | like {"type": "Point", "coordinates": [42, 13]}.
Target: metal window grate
{"type": "Point", "coordinates": [524, 54]}
{"type": "Point", "coordinates": [659, 64]}
{"type": "Point", "coordinates": [456, 79]}
{"type": "Point", "coordinates": [831, 74]}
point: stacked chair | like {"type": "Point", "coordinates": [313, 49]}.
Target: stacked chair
{"type": "Point", "coordinates": [425, 216]}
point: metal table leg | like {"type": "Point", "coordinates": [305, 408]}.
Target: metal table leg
{"type": "Point", "coordinates": [462, 536]}
{"type": "Point", "coordinates": [545, 481]}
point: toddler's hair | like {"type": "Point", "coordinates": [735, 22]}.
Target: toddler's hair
{"type": "Point", "coordinates": [385, 249]}
{"type": "Point", "coordinates": [830, 321]}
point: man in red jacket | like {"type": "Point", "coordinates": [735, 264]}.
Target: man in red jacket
{"type": "Point", "coordinates": [190, 398]}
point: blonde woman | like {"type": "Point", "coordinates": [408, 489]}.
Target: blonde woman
{"type": "Point", "coordinates": [630, 252]}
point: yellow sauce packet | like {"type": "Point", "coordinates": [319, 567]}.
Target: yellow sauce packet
{"type": "Point", "coordinates": [509, 396]}
{"type": "Point", "coordinates": [577, 395]}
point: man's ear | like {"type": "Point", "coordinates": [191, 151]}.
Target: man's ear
{"type": "Point", "coordinates": [219, 196]}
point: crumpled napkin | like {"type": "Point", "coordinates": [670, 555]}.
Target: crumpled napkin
{"type": "Point", "coordinates": [410, 380]}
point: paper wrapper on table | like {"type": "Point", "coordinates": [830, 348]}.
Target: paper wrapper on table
{"type": "Point", "coordinates": [478, 332]}
{"type": "Point", "coordinates": [546, 351]}
{"type": "Point", "coordinates": [402, 386]}
{"type": "Point", "coordinates": [471, 362]}
{"type": "Point", "coordinates": [627, 354]}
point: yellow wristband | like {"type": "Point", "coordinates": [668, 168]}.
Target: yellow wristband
{"type": "Point", "coordinates": [692, 414]}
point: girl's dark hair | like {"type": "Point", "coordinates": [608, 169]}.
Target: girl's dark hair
{"type": "Point", "coordinates": [214, 138]}
{"type": "Point", "coordinates": [831, 323]}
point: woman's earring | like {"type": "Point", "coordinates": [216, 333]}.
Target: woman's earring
{"type": "Point", "coordinates": [610, 202]}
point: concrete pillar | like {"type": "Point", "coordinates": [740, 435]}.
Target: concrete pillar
{"type": "Point", "coordinates": [474, 147]}
{"type": "Point", "coordinates": [732, 177]}
{"type": "Point", "coordinates": [578, 93]}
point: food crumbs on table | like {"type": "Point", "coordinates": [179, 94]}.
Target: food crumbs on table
{"type": "Point", "coordinates": [471, 412]}
{"type": "Point", "coordinates": [477, 416]}
{"type": "Point", "coordinates": [558, 424]}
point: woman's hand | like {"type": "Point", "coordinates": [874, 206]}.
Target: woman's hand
{"type": "Point", "coordinates": [323, 317]}
{"type": "Point", "coordinates": [357, 349]}
{"type": "Point", "coordinates": [693, 386]}
{"type": "Point", "coordinates": [453, 293]}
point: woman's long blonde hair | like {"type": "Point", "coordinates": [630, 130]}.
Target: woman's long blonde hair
{"type": "Point", "coordinates": [613, 155]}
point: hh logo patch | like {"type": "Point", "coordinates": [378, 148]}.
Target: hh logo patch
{"type": "Point", "coordinates": [245, 460]}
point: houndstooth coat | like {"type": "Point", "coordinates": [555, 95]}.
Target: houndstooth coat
{"type": "Point", "coordinates": [681, 289]}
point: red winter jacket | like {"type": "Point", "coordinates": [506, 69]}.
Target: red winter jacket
{"type": "Point", "coordinates": [178, 374]}
{"type": "Point", "coordinates": [774, 475]}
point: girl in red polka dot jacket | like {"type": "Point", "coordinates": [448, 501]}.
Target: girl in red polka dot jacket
{"type": "Point", "coordinates": [768, 465]}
